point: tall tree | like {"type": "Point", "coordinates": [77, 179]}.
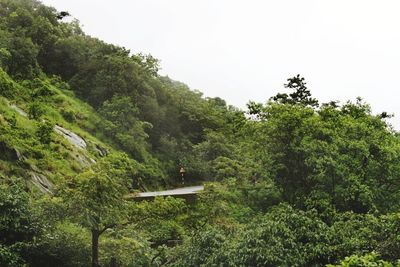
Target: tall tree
{"type": "Point", "coordinates": [301, 94]}
{"type": "Point", "coordinates": [95, 199]}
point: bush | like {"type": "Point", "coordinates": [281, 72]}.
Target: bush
{"type": "Point", "coordinates": [36, 110]}
{"type": "Point", "coordinates": [5, 56]}
{"type": "Point", "coordinates": [8, 87]}
{"type": "Point", "coordinates": [62, 245]}
{"type": "Point", "coordinates": [368, 260]}
{"type": "Point", "coordinates": [68, 115]}
{"type": "Point", "coordinates": [9, 258]}
{"type": "Point", "coordinates": [18, 224]}
{"type": "Point", "coordinates": [44, 132]}
{"type": "Point", "coordinates": [40, 88]}
{"type": "Point", "coordinates": [12, 121]}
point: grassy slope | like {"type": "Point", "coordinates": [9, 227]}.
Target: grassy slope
{"type": "Point", "coordinates": [60, 159]}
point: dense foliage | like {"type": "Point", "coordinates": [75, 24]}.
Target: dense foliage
{"type": "Point", "coordinates": [85, 124]}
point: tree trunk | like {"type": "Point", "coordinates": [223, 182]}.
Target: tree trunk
{"type": "Point", "coordinates": [95, 248]}
{"type": "Point", "coordinates": [113, 262]}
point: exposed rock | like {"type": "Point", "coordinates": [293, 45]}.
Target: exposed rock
{"type": "Point", "coordinates": [73, 138]}
{"type": "Point", "coordinates": [41, 182]}
{"type": "Point", "coordinates": [83, 160]}
{"type": "Point", "coordinates": [79, 155]}
{"type": "Point", "coordinates": [19, 155]}
{"type": "Point", "coordinates": [101, 150]}
{"type": "Point", "coordinates": [19, 110]}
{"type": "Point", "coordinates": [9, 153]}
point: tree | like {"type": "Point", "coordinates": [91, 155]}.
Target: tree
{"type": "Point", "coordinates": [23, 62]}
{"type": "Point", "coordinates": [301, 94]}
{"type": "Point", "coordinates": [35, 110]}
{"type": "Point", "coordinates": [149, 63]}
{"type": "Point", "coordinates": [344, 152]}
{"type": "Point", "coordinates": [95, 198]}
{"type": "Point", "coordinates": [101, 78]}
{"type": "Point", "coordinates": [18, 225]}
{"type": "Point", "coordinates": [123, 125]}
{"type": "Point", "coordinates": [368, 260]}
{"type": "Point", "coordinates": [44, 132]}
{"type": "Point", "coordinates": [283, 237]}
{"type": "Point", "coordinates": [5, 56]}
{"type": "Point", "coordinates": [200, 249]}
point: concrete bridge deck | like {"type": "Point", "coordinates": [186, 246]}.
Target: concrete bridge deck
{"type": "Point", "coordinates": [177, 192]}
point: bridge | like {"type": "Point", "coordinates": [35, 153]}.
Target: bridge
{"type": "Point", "coordinates": [183, 192]}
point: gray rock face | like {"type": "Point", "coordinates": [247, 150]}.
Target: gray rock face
{"type": "Point", "coordinates": [72, 137]}
{"type": "Point", "coordinates": [41, 182]}
{"type": "Point", "coordinates": [20, 111]}
{"type": "Point", "coordinates": [17, 109]}
{"type": "Point", "coordinates": [80, 156]}
{"type": "Point", "coordinates": [83, 160]}
{"type": "Point", "coordinates": [101, 150]}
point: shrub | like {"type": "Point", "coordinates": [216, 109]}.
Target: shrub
{"type": "Point", "coordinates": [8, 87]}
{"type": "Point", "coordinates": [44, 132]}
{"type": "Point", "coordinates": [36, 110]}
{"type": "Point", "coordinates": [368, 260]}
{"type": "Point", "coordinates": [68, 115]}
{"type": "Point", "coordinates": [9, 258]}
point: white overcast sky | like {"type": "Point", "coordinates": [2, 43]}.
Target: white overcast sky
{"type": "Point", "coordinates": [245, 50]}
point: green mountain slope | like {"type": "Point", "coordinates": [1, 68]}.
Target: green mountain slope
{"type": "Point", "coordinates": [27, 151]}
{"type": "Point", "coordinates": [123, 105]}
{"type": "Point", "coordinates": [83, 124]}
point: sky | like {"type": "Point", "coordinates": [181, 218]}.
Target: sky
{"type": "Point", "coordinates": [245, 50]}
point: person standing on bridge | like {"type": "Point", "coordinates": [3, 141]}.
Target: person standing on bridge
{"type": "Point", "coordinates": [182, 172]}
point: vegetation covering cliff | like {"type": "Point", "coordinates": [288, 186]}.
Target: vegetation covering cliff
{"type": "Point", "coordinates": [82, 123]}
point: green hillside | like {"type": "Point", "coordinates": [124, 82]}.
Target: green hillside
{"type": "Point", "coordinates": [83, 123]}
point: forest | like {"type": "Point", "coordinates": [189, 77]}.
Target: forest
{"type": "Point", "coordinates": [84, 124]}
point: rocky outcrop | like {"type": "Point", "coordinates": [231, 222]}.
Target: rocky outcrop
{"type": "Point", "coordinates": [81, 155]}
{"type": "Point", "coordinates": [41, 182]}
{"type": "Point", "coordinates": [19, 110]}
{"type": "Point", "coordinates": [83, 160]}
{"type": "Point", "coordinates": [101, 150]}
{"type": "Point", "coordinates": [9, 153]}
{"type": "Point", "coordinates": [72, 137]}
